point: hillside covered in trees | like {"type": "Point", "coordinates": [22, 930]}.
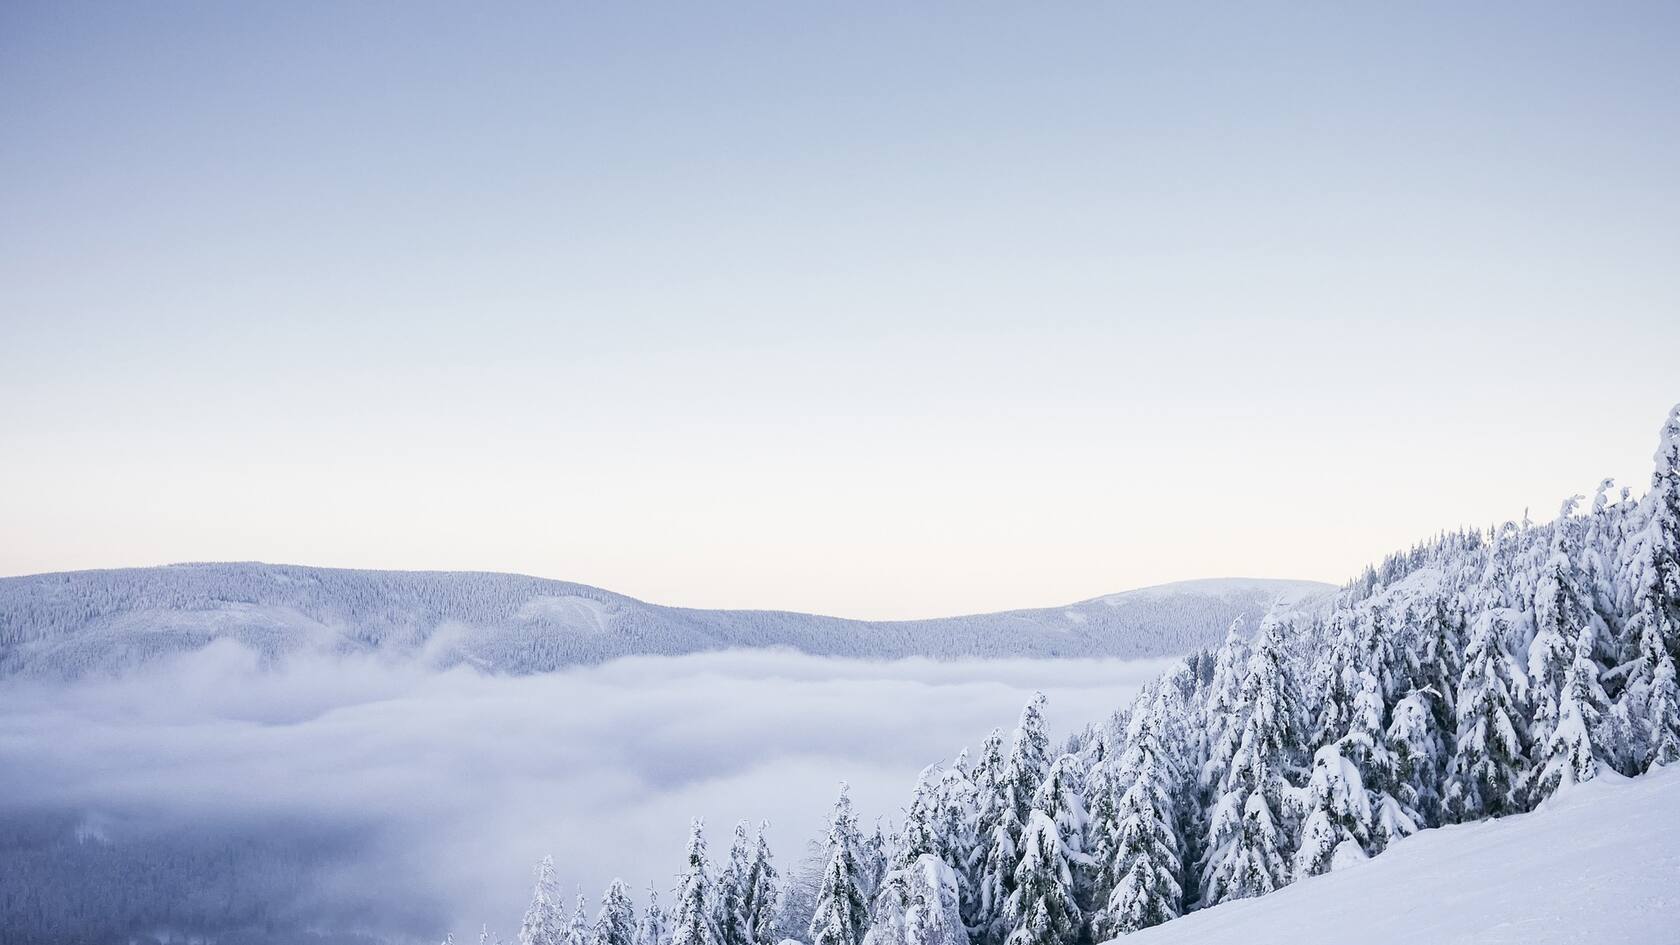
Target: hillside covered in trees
{"type": "Point", "coordinates": [1473, 676]}
{"type": "Point", "coordinates": [108, 622]}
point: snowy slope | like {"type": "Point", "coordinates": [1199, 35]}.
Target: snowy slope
{"type": "Point", "coordinates": [1598, 863]}
{"type": "Point", "coordinates": [106, 621]}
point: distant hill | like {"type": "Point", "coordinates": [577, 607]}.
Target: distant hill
{"type": "Point", "coordinates": [106, 622]}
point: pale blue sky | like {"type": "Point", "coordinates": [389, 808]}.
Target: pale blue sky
{"type": "Point", "coordinates": [846, 308]}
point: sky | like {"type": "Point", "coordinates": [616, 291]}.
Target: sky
{"type": "Point", "coordinates": [855, 309]}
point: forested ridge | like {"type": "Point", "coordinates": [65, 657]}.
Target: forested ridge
{"type": "Point", "coordinates": [82, 623]}
{"type": "Point", "coordinates": [1469, 677]}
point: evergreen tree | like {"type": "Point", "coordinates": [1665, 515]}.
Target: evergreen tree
{"type": "Point", "coordinates": [1338, 811]}
{"type": "Point", "coordinates": [918, 905]}
{"type": "Point", "coordinates": [1223, 707]}
{"type": "Point", "coordinates": [578, 931]}
{"type": "Point", "coordinates": [760, 897]}
{"type": "Point", "coordinates": [1041, 909]}
{"type": "Point", "coordinates": [842, 912]}
{"type": "Point", "coordinates": [1665, 716]}
{"type": "Point", "coordinates": [1655, 626]}
{"type": "Point", "coordinates": [956, 827]}
{"type": "Point", "coordinates": [1488, 762]}
{"type": "Point", "coordinates": [1144, 862]}
{"type": "Point", "coordinates": [1029, 758]}
{"type": "Point", "coordinates": [983, 907]}
{"type": "Point", "coordinates": [695, 920]}
{"type": "Point", "coordinates": [616, 922]}
{"type": "Point", "coordinates": [922, 819]}
{"type": "Point", "coordinates": [1570, 755]}
{"type": "Point", "coordinates": [730, 896]}
{"type": "Point", "coordinates": [545, 922]}
{"type": "Point", "coordinates": [993, 922]}
{"type": "Point", "coordinates": [1248, 846]}
{"type": "Point", "coordinates": [1417, 743]}
{"type": "Point", "coordinates": [652, 928]}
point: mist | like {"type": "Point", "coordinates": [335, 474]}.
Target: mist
{"type": "Point", "coordinates": [407, 802]}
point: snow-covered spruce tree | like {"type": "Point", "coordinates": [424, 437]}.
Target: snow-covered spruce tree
{"type": "Point", "coordinates": [984, 897]}
{"type": "Point", "coordinates": [545, 918]}
{"type": "Point", "coordinates": [956, 827]}
{"type": "Point", "coordinates": [1221, 714]}
{"type": "Point", "coordinates": [1561, 614]}
{"type": "Point", "coordinates": [1144, 855]}
{"type": "Point", "coordinates": [922, 819]}
{"type": "Point", "coordinates": [1338, 812]}
{"type": "Point", "coordinates": [918, 905]}
{"type": "Point", "coordinates": [1041, 908]}
{"type": "Point", "coordinates": [695, 920]}
{"type": "Point", "coordinates": [1655, 625]}
{"type": "Point", "coordinates": [1029, 758]}
{"type": "Point", "coordinates": [578, 931]}
{"type": "Point", "coordinates": [1061, 797]}
{"type": "Point", "coordinates": [760, 896]}
{"type": "Point", "coordinates": [1249, 831]}
{"type": "Point", "coordinates": [1488, 764]}
{"type": "Point", "coordinates": [842, 912]}
{"type": "Point", "coordinates": [1417, 741]}
{"type": "Point", "coordinates": [615, 924]}
{"type": "Point", "coordinates": [1103, 789]}
{"type": "Point", "coordinates": [997, 878]}
{"type": "Point", "coordinates": [729, 897]}
{"type": "Point", "coordinates": [1664, 706]}
{"type": "Point", "coordinates": [1570, 756]}
{"type": "Point", "coordinates": [652, 928]}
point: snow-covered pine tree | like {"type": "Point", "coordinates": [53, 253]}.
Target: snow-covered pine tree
{"type": "Point", "coordinates": [1061, 797]}
{"type": "Point", "coordinates": [578, 931]}
{"type": "Point", "coordinates": [545, 919]}
{"type": "Point", "coordinates": [1029, 758]}
{"type": "Point", "coordinates": [1041, 908]}
{"type": "Point", "coordinates": [1145, 859]}
{"type": "Point", "coordinates": [1418, 744]}
{"type": "Point", "coordinates": [842, 912]}
{"type": "Point", "coordinates": [695, 920]}
{"type": "Point", "coordinates": [1249, 835]}
{"type": "Point", "coordinates": [1488, 764]}
{"type": "Point", "coordinates": [1570, 755]}
{"type": "Point", "coordinates": [1655, 625]}
{"type": "Point", "coordinates": [1222, 712]}
{"type": "Point", "coordinates": [956, 826]}
{"type": "Point", "coordinates": [615, 924]}
{"type": "Point", "coordinates": [1338, 811]}
{"type": "Point", "coordinates": [918, 905]}
{"type": "Point", "coordinates": [760, 897]}
{"type": "Point", "coordinates": [1103, 789]}
{"type": "Point", "coordinates": [729, 897]}
{"type": "Point", "coordinates": [1664, 704]}
{"type": "Point", "coordinates": [993, 922]}
{"type": "Point", "coordinates": [922, 819]}
{"type": "Point", "coordinates": [985, 896]}
{"type": "Point", "coordinates": [651, 928]}
{"type": "Point", "coordinates": [1561, 613]}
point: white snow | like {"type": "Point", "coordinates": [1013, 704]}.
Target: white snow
{"type": "Point", "coordinates": [1597, 863]}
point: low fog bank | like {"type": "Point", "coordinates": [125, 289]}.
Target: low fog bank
{"type": "Point", "coordinates": [365, 795]}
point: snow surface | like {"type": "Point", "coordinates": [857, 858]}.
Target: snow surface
{"type": "Point", "coordinates": [1598, 863]}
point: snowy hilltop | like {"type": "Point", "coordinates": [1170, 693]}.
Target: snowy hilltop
{"type": "Point", "coordinates": [69, 624]}
{"type": "Point", "coordinates": [1477, 675]}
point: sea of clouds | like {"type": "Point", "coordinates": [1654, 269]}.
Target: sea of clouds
{"type": "Point", "coordinates": [446, 786]}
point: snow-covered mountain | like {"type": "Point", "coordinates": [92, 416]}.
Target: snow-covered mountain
{"type": "Point", "coordinates": [72, 623]}
{"type": "Point", "coordinates": [1598, 864]}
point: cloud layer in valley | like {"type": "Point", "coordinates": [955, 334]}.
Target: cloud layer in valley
{"type": "Point", "coordinates": [429, 794]}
